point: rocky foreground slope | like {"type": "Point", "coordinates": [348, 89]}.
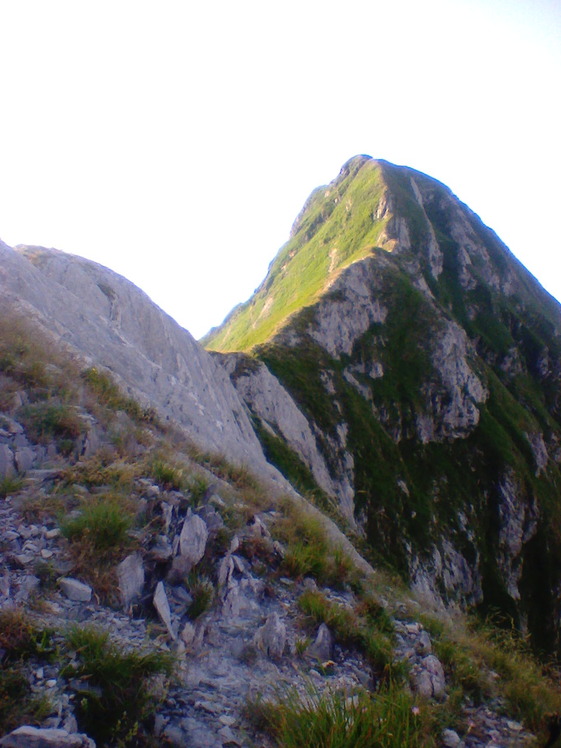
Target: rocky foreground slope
{"type": "Point", "coordinates": [152, 594]}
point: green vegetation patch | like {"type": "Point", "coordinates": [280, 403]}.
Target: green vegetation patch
{"type": "Point", "coordinates": [21, 641]}
{"type": "Point", "coordinates": [339, 226]}
{"type": "Point", "coordinates": [388, 719]}
{"type": "Point", "coordinates": [474, 655]}
{"type": "Point", "coordinates": [110, 395]}
{"type": "Point", "coordinates": [308, 550]}
{"type": "Point", "coordinates": [116, 690]}
{"type": "Point", "coordinates": [53, 420]}
{"type": "Point", "coordinates": [285, 459]}
{"type": "Point", "coordinates": [102, 523]}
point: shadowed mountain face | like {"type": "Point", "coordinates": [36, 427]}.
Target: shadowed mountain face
{"type": "Point", "coordinates": [399, 360]}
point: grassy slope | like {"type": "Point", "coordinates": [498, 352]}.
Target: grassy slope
{"type": "Point", "coordinates": [520, 404]}
{"type": "Point", "coordinates": [336, 228]}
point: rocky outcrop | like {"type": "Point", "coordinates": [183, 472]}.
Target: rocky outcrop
{"type": "Point", "coordinates": [108, 322]}
{"type": "Point", "coordinates": [269, 402]}
{"type": "Point", "coordinates": [419, 382]}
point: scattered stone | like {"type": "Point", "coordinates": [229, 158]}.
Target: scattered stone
{"type": "Point", "coordinates": [161, 604]}
{"type": "Point", "coordinates": [212, 519]}
{"type": "Point", "coordinates": [75, 590]}
{"type": "Point", "coordinates": [34, 737]}
{"type": "Point", "coordinates": [322, 648]}
{"type": "Point", "coordinates": [271, 637]}
{"type": "Point", "coordinates": [161, 550]}
{"type": "Point", "coordinates": [193, 538]}
{"type": "Point", "coordinates": [130, 573]}
{"type": "Point", "coordinates": [228, 737]}
{"type": "Point", "coordinates": [450, 739]}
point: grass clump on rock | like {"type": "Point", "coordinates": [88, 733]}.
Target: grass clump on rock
{"type": "Point", "coordinates": [308, 549]}
{"type": "Point", "coordinates": [116, 690]}
{"type": "Point", "coordinates": [98, 537]}
{"type": "Point", "coordinates": [353, 630]}
{"type": "Point", "coordinates": [388, 719]}
{"type": "Point", "coordinates": [20, 641]}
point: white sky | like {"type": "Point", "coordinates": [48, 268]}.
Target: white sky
{"type": "Point", "coordinates": [176, 141]}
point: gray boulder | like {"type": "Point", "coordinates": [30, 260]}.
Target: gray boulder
{"type": "Point", "coordinates": [271, 637]}
{"type": "Point", "coordinates": [322, 647]}
{"type": "Point", "coordinates": [35, 737]}
{"type": "Point", "coordinates": [130, 573]}
{"type": "Point", "coordinates": [193, 538]}
{"type": "Point", "coordinates": [75, 590]}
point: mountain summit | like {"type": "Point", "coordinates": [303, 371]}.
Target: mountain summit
{"type": "Point", "coordinates": [418, 364]}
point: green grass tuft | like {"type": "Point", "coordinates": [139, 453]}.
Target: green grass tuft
{"type": "Point", "coordinates": [115, 689]}
{"type": "Point", "coordinates": [389, 719]}
{"type": "Point", "coordinates": [103, 524]}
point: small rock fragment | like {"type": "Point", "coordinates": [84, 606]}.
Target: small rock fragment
{"type": "Point", "coordinates": [193, 538]}
{"type": "Point", "coordinates": [188, 634]}
{"type": "Point", "coordinates": [271, 637]}
{"type": "Point", "coordinates": [450, 739]}
{"type": "Point", "coordinates": [34, 737]}
{"type": "Point", "coordinates": [75, 590]}
{"type": "Point", "coordinates": [322, 648]}
{"type": "Point", "coordinates": [130, 573]}
{"type": "Point", "coordinates": [162, 607]}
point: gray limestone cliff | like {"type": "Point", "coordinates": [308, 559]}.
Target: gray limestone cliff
{"type": "Point", "coordinates": [109, 322]}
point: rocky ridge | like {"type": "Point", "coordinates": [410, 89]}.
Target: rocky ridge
{"type": "Point", "coordinates": [104, 319]}
{"type": "Point", "coordinates": [419, 384]}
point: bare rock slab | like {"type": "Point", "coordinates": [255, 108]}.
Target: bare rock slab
{"type": "Point", "coordinates": [161, 604]}
{"type": "Point", "coordinates": [75, 590]}
{"type": "Point", "coordinates": [322, 648]}
{"type": "Point", "coordinates": [130, 573]}
{"type": "Point", "coordinates": [34, 737]}
{"type": "Point", "coordinates": [193, 539]}
{"type": "Point", "coordinates": [271, 637]}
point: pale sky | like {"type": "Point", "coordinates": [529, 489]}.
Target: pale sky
{"type": "Point", "coordinates": [176, 141]}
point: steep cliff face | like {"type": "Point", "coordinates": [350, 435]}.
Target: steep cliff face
{"type": "Point", "coordinates": [423, 363]}
{"type": "Point", "coordinates": [109, 322]}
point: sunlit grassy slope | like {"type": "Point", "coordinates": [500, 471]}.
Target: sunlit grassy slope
{"type": "Point", "coordinates": [338, 225]}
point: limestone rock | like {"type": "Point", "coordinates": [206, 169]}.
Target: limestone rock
{"type": "Point", "coordinates": [130, 573]}
{"type": "Point", "coordinates": [161, 604]}
{"type": "Point", "coordinates": [35, 737]}
{"type": "Point", "coordinates": [271, 637]}
{"type": "Point", "coordinates": [7, 466]}
{"type": "Point", "coordinates": [193, 538]}
{"type": "Point", "coordinates": [75, 590]}
{"type": "Point", "coordinates": [109, 322]}
{"type": "Point", "coordinates": [322, 647]}
{"type": "Point", "coordinates": [428, 677]}
{"type": "Point", "coordinates": [280, 415]}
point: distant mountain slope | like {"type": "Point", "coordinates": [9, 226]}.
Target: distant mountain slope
{"type": "Point", "coordinates": [425, 362]}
